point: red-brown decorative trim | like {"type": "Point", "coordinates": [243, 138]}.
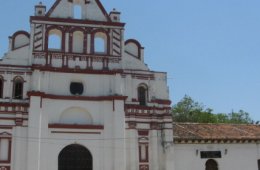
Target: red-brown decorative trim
{"type": "Point", "coordinates": [71, 32]}
{"type": "Point", "coordinates": [46, 44]}
{"type": "Point", "coordinates": [148, 122]}
{"type": "Point", "coordinates": [52, 8]}
{"type": "Point", "coordinates": [20, 47]}
{"type": "Point", "coordinates": [88, 98]}
{"type": "Point", "coordinates": [14, 83]}
{"type": "Point", "coordinates": [137, 44]}
{"type": "Point", "coordinates": [146, 153]}
{"type": "Point", "coordinates": [94, 32]}
{"type": "Point", "coordinates": [97, 1]}
{"type": "Point", "coordinates": [143, 132]}
{"type": "Point", "coordinates": [161, 101]}
{"type": "Point", "coordinates": [143, 142]}
{"type": "Point", "coordinates": [8, 104]}
{"type": "Point", "coordinates": [18, 33]}
{"type": "Point", "coordinates": [149, 116]}
{"type": "Point", "coordinates": [8, 136]}
{"type": "Point", "coordinates": [69, 126]}
{"type": "Point", "coordinates": [140, 76]}
{"type": "Point", "coordinates": [68, 132]}
{"type": "Point", "coordinates": [13, 113]}
{"type": "Point", "coordinates": [19, 121]}
{"type": "Point", "coordinates": [143, 167]}
{"type": "Point", "coordinates": [158, 101]}
{"type": "Point", "coordinates": [5, 135]}
{"type": "Point", "coordinates": [76, 21]}
{"type": "Point", "coordinates": [17, 66]}
{"type": "Point", "coordinates": [73, 70]}
{"type": "Point", "coordinates": [11, 118]}
{"type": "Point", "coordinates": [147, 71]}
{"type": "Point", "coordinates": [21, 32]}
{"type": "Point", "coordinates": [2, 80]}
{"type": "Point", "coordinates": [103, 10]}
{"type": "Point", "coordinates": [4, 167]}
{"type": "Point", "coordinates": [134, 106]}
{"type": "Point", "coordinates": [6, 127]}
{"type": "Point", "coordinates": [35, 93]}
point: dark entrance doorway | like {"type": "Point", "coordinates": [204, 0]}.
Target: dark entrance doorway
{"type": "Point", "coordinates": [75, 157]}
{"type": "Point", "coordinates": [211, 165]}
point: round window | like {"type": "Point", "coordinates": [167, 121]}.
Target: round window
{"type": "Point", "coordinates": [76, 88]}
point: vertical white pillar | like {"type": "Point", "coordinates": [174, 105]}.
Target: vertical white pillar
{"type": "Point", "coordinates": [169, 158]}
{"type": "Point", "coordinates": [17, 147]}
{"type": "Point", "coordinates": [154, 150]}
{"type": "Point", "coordinates": [131, 150]}
{"type": "Point", "coordinates": [34, 133]}
{"type": "Point", "coordinates": [118, 85]}
{"type": "Point", "coordinates": [119, 135]}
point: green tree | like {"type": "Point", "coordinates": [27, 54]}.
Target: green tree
{"type": "Point", "coordinates": [222, 118]}
{"type": "Point", "coordinates": [188, 110]}
{"type": "Point", "coordinates": [240, 117]}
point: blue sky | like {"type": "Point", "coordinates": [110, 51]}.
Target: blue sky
{"type": "Point", "coordinates": [209, 48]}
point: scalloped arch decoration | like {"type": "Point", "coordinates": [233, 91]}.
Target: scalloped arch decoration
{"type": "Point", "coordinates": [20, 39]}
{"type": "Point", "coordinates": [76, 115]}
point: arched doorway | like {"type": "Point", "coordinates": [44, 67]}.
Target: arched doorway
{"type": "Point", "coordinates": [211, 165]}
{"type": "Point", "coordinates": [75, 157]}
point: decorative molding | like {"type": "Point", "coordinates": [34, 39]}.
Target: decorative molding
{"type": "Point", "coordinates": [87, 98]}
{"type": "Point", "coordinates": [74, 126]}
{"type": "Point", "coordinates": [76, 21]}
{"type": "Point", "coordinates": [69, 132]}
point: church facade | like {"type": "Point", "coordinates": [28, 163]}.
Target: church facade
{"type": "Point", "coordinates": [74, 86]}
{"type": "Point", "coordinates": [75, 95]}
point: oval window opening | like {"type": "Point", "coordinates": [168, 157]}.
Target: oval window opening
{"type": "Point", "coordinates": [76, 88]}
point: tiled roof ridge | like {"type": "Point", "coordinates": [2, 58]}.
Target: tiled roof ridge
{"type": "Point", "coordinates": [213, 131]}
{"type": "Point", "coordinates": [233, 124]}
{"type": "Point", "coordinates": [185, 129]}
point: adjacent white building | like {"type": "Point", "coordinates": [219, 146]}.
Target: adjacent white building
{"type": "Point", "coordinates": [75, 95]}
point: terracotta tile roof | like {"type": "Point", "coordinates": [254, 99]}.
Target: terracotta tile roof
{"type": "Point", "coordinates": [193, 131]}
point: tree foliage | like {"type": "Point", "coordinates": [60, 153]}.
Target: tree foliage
{"type": "Point", "coordinates": [188, 110]}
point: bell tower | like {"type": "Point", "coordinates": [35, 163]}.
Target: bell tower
{"type": "Point", "coordinates": [40, 9]}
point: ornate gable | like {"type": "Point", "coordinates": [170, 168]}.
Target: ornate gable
{"type": "Point", "coordinates": [90, 10]}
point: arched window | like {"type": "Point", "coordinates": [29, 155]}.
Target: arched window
{"type": "Point", "coordinates": [77, 12]}
{"type": "Point", "coordinates": [75, 157]}
{"type": "Point", "coordinates": [211, 165]}
{"type": "Point", "coordinates": [142, 95]}
{"type": "Point", "coordinates": [1, 86]}
{"type": "Point", "coordinates": [18, 88]}
{"type": "Point", "coordinates": [100, 43]}
{"type": "Point", "coordinates": [54, 40]}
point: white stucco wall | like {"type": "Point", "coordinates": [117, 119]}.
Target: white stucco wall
{"type": "Point", "coordinates": [234, 156]}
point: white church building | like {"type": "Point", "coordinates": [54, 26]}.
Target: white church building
{"type": "Point", "coordinates": [75, 95]}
